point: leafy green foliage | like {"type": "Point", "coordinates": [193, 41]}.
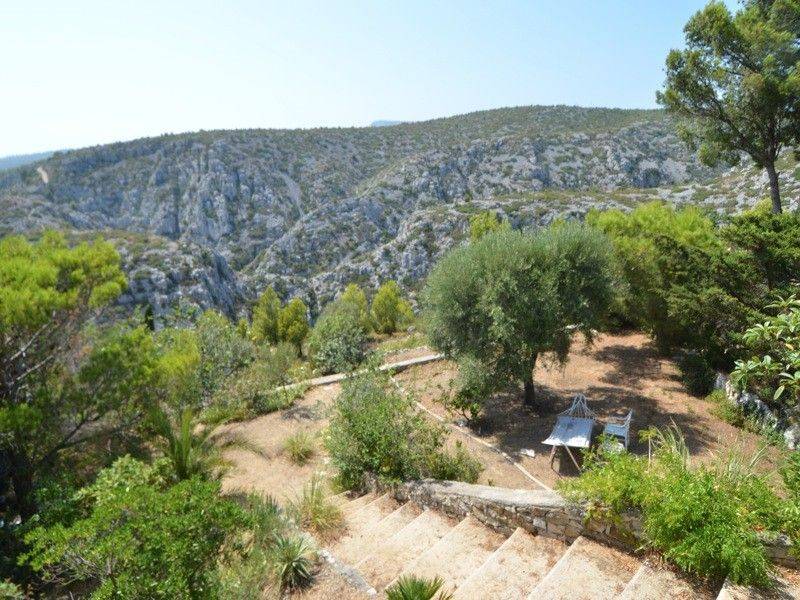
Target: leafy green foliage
{"type": "Point", "coordinates": [775, 371]}
{"type": "Point", "coordinates": [265, 317]}
{"type": "Point", "coordinates": [48, 292]}
{"type": "Point", "coordinates": [300, 446]}
{"type": "Point", "coordinates": [737, 83]}
{"type": "Point", "coordinates": [389, 310]}
{"type": "Point", "coordinates": [355, 297]}
{"type": "Point", "coordinates": [773, 242]}
{"type": "Point", "coordinates": [254, 390]}
{"type": "Point", "coordinates": [510, 296]}
{"type": "Point", "coordinates": [314, 511]}
{"type": "Point", "coordinates": [10, 591]}
{"type": "Point", "coordinates": [683, 283]}
{"type": "Point", "coordinates": [192, 451]}
{"type": "Point", "coordinates": [338, 341]}
{"type": "Point", "coordinates": [410, 587]}
{"type": "Point", "coordinates": [293, 323]}
{"type": "Point", "coordinates": [704, 519]}
{"type": "Point", "coordinates": [138, 540]}
{"type": "Point", "coordinates": [458, 465]}
{"type": "Point", "coordinates": [697, 375]}
{"type": "Point", "coordinates": [485, 222]}
{"type": "Point", "coordinates": [375, 429]}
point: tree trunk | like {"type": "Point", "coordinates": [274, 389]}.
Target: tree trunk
{"type": "Point", "coordinates": [774, 189]}
{"type": "Point", "coordinates": [530, 392]}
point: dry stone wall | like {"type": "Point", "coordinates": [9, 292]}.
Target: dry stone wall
{"type": "Point", "coordinates": [541, 512]}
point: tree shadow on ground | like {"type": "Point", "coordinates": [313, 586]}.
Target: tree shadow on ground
{"type": "Point", "coordinates": [515, 426]}
{"type": "Point", "coordinates": [628, 365]}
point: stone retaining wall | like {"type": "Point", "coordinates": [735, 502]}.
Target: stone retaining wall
{"type": "Point", "coordinates": [540, 512]}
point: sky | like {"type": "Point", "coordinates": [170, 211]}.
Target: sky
{"type": "Point", "coordinates": [81, 72]}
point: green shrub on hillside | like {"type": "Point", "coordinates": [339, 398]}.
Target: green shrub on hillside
{"type": "Point", "coordinates": [252, 391]}
{"type": "Point", "coordinates": [389, 310]}
{"type": "Point", "coordinates": [704, 519]}
{"type": "Point", "coordinates": [376, 430]}
{"type": "Point", "coordinates": [139, 540]}
{"type": "Point", "coordinates": [293, 323]}
{"type": "Point", "coordinates": [338, 340]}
{"type": "Point", "coordinates": [697, 375]}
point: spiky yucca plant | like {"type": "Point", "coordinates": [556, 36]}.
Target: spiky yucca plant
{"type": "Point", "coordinates": [410, 587]}
{"type": "Point", "coordinates": [292, 558]}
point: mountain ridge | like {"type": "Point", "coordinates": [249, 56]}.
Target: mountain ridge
{"type": "Point", "coordinates": [309, 210]}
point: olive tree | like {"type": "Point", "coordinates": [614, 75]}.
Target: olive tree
{"type": "Point", "coordinates": [503, 300]}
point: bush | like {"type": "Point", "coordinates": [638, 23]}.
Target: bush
{"type": "Point", "coordinates": [696, 374]}
{"type": "Point", "coordinates": [138, 540]}
{"type": "Point", "coordinates": [300, 447]}
{"type": "Point", "coordinates": [458, 465]}
{"type": "Point", "coordinates": [313, 509]}
{"type": "Point", "coordinates": [9, 591]}
{"type": "Point", "coordinates": [338, 341]}
{"type": "Point", "coordinates": [704, 519]}
{"type": "Point", "coordinates": [293, 323]}
{"type": "Point", "coordinates": [252, 391]}
{"type": "Point", "coordinates": [411, 587]}
{"type": "Point", "coordinates": [375, 429]}
{"type": "Point", "coordinates": [389, 310]}
{"type": "Point", "coordinates": [683, 283]}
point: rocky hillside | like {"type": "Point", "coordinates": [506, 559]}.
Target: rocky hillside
{"type": "Point", "coordinates": [210, 218]}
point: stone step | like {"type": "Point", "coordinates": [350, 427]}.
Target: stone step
{"type": "Point", "coordinates": [787, 587]}
{"type": "Point", "coordinates": [358, 503]}
{"type": "Point", "coordinates": [389, 557]}
{"type": "Point", "coordinates": [652, 582]}
{"type": "Point", "coordinates": [457, 555]}
{"type": "Point", "coordinates": [355, 546]}
{"type": "Point", "coordinates": [587, 571]}
{"type": "Point", "coordinates": [514, 569]}
{"type": "Point", "coordinates": [370, 514]}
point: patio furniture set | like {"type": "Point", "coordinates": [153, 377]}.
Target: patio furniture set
{"type": "Point", "coordinates": [574, 428]}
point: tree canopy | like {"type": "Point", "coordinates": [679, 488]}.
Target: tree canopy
{"type": "Point", "coordinates": [736, 85]}
{"type": "Point", "coordinates": [505, 299]}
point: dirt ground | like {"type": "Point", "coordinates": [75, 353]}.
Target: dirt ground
{"type": "Point", "coordinates": [271, 472]}
{"type": "Point", "coordinates": [616, 373]}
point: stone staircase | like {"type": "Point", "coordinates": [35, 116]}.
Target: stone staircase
{"type": "Point", "coordinates": [386, 539]}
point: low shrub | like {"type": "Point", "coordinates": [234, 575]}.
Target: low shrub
{"type": "Point", "coordinates": [376, 429]}
{"type": "Point", "coordinates": [458, 465]}
{"type": "Point", "coordinates": [253, 390]}
{"type": "Point", "coordinates": [140, 540]}
{"type": "Point", "coordinates": [338, 341]}
{"type": "Point", "coordinates": [313, 509]}
{"type": "Point", "coordinates": [704, 519]}
{"type": "Point", "coordinates": [300, 447]}
{"type": "Point", "coordinates": [696, 374]}
{"type": "Point", "coordinates": [411, 587]}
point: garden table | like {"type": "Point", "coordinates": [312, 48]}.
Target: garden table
{"type": "Point", "coordinates": [570, 432]}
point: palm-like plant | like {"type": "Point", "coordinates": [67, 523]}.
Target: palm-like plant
{"type": "Point", "coordinates": [292, 558]}
{"type": "Point", "coordinates": [192, 450]}
{"type": "Point", "coordinates": [417, 588]}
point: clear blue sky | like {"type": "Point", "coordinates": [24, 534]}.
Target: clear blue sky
{"type": "Point", "coordinates": [77, 73]}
